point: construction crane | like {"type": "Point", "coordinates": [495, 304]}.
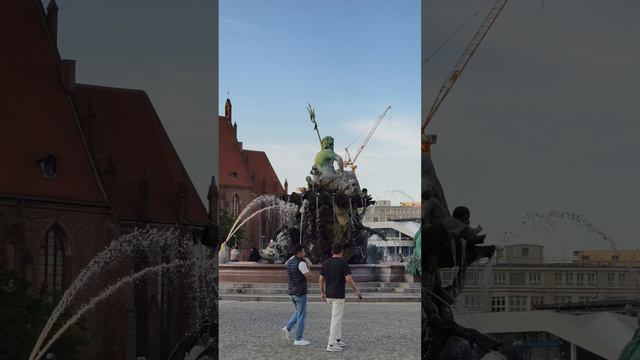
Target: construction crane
{"type": "Point", "coordinates": [401, 192]}
{"type": "Point", "coordinates": [351, 162]}
{"type": "Point", "coordinates": [468, 52]}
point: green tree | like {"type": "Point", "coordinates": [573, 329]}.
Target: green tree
{"type": "Point", "coordinates": [225, 222]}
{"type": "Point", "coordinates": [22, 317]}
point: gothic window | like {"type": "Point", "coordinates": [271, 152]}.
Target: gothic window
{"type": "Point", "coordinates": [235, 205]}
{"type": "Point", "coordinates": [51, 259]}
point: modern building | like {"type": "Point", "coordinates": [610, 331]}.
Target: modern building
{"type": "Point", "coordinates": [548, 310]}
{"type": "Point", "coordinates": [384, 211]}
{"type": "Point", "coordinates": [543, 335]}
{"type": "Point", "coordinates": [518, 279]}
{"type": "Point", "coordinates": [244, 175]}
{"type": "Point", "coordinates": [83, 164]}
{"type": "Point", "coordinates": [397, 237]}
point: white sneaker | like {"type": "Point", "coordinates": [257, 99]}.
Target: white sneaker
{"type": "Point", "coordinates": [340, 343]}
{"type": "Point", "coordinates": [285, 333]}
{"type": "Point", "coordinates": [334, 348]}
{"type": "Point", "coordinates": [302, 342]}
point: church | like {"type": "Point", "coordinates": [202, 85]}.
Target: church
{"type": "Point", "coordinates": [82, 165]}
{"type": "Point", "coordinates": [244, 175]}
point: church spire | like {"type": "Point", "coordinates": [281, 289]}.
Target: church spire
{"type": "Point", "coordinates": [227, 108]}
{"type": "Point", "coordinates": [52, 20]}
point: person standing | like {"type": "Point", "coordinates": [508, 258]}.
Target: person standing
{"type": "Point", "coordinates": [335, 272]}
{"type": "Point", "coordinates": [235, 254]}
{"type": "Point", "coordinates": [254, 255]}
{"type": "Point", "coordinates": [298, 274]}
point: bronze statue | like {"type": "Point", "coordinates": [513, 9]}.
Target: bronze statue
{"type": "Point", "coordinates": [449, 242]}
{"type": "Point", "coordinates": [329, 211]}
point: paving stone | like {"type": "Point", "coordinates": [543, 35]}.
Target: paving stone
{"type": "Point", "coordinates": [251, 331]}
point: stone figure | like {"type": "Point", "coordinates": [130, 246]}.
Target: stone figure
{"type": "Point", "coordinates": [325, 177]}
{"type": "Point", "coordinates": [278, 249]}
{"type": "Point", "coordinates": [331, 210]}
{"type": "Point", "coordinates": [326, 157]}
{"type": "Point", "coordinates": [435, 211]}
{"type": "Point", "coordinates": [449, 241]}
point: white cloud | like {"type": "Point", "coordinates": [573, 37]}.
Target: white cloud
{"type": "Point", "coordinates": [237, 26]}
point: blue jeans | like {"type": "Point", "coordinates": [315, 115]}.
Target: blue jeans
{"type": "Point", "coordinates": [297, 319]}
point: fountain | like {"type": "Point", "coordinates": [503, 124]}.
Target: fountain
{"type": "Point", "coordinates": [168, 251]}
{"type": "Point", "coordinates": [331, 208]}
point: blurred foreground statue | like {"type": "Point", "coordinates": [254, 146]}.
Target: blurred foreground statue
{"type": "Point", "coordinates": [449, 243]}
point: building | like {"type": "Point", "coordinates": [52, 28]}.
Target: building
{"type": "Point", "coordinates": [550, 310]}
{"type": "Point", "coordinates": [382, 210]}
{"type": "Point", "coordinates": [543, 335]}
{"type": "Point", "coordinates": [245, 175]}
{"type": "Point", "coordinates": [82, 165]}
{"type": "Point", "coordinates": [518, 279]}
{"type": "Point", "coordinates": [398, 237]}
{"type": "Point", "coordinates": [607, 257]}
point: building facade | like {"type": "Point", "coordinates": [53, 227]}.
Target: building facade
{"type": "Point", "coordinates": [607, 257]}
{"type": "Point", "coordinates": [84, 164]}
{"type": "Point", "coordinates": [244, 176]}
{"type": "Point", "coordinates": [518, 279]}
{"type": "Point", "coordinates": [382, 210]}
{"type": "Point", "coordinates": [396, 240]}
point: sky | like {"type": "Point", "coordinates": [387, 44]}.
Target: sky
{"type": "Point", "coordinates": [544, 117]}
{"type": "Point", "coordinates": [167, 50]}
{"type": "Point", "coordinates": [350, 59]}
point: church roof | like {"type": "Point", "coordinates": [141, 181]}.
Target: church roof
{"type": "Point", "coordinates": [125, 133]}
{"type": "Point", "coordinates": [264, 177]}
{"type": "Point", "coordinates": [232, 167]}
{"type": "Point", "coordinates": [37, 117]}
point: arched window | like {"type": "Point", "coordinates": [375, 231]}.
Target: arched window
{"type": "Point", "coordinates": [235, 205]}
{"type": "Point", "coordinates": [51, 258]}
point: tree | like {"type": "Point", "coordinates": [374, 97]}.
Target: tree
{"type": "Point", "coordinates": [22, 317]}
{"type": "Point", "coordinates": [226, 221]}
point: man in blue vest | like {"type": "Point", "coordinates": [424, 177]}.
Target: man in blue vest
{"type": "Point", "coordinates": [298, 274]}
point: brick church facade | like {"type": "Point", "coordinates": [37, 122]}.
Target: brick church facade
{"type": "Point", "coordinates": [83, 164]}
{"type": "Point", "coordinates": [244, 175]}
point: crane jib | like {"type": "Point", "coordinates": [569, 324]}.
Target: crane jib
{"type": "Point", "coordinates": [463, 60]}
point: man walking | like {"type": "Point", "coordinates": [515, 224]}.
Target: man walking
{"type": "Point", "coordinates": [298, 274]}
{"type": "Point", "coordinates": [335, 271]}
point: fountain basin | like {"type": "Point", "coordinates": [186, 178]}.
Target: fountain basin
{"type": "Point", "coordinates": [252, 272]}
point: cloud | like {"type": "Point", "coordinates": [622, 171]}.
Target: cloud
{"type": "Point", "coordinates": [399, 136]}
{"type": "Point", "coordinates": [236, 26]}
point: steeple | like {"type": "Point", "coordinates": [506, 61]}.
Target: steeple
{"type": "Point", "coordinates": [286, 186]}
{"type": "Point", "coordinates": [227, 109]}
{"type": "Point", "coordinates": [52, 20]}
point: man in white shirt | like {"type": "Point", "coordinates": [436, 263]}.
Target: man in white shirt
{"type": "Point", "coordinates": [298, 275]}
{"type": "Point", "coordinates": [235, 254]}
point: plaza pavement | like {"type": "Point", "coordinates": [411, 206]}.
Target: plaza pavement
{"type": "Point", "coordinates": [252, 330]}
